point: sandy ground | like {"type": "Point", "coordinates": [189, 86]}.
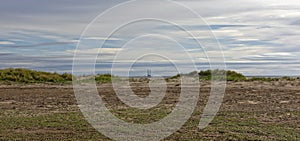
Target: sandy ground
{"type": "Point", "coordinates": [268, 103]}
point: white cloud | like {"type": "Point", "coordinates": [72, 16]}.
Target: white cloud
{"type": "Point", "coordinates": [93, 51]}
{"type": "Point", "coordinates": [6, 43]}
{"type": "Point", "coordinates": [279, 54]}
{"type": "Point", "coordinates": [102, 38]}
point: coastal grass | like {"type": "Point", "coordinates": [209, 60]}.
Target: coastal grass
{"type": "Point", "coordinates": [21, 75]}
{"type": "Point", "coordinates": [72, 126]}
{"type": "Point", "coordinates": [26, 76]}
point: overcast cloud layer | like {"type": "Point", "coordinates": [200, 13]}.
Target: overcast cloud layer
{"type": "Point", "coordinates": [257, 37]}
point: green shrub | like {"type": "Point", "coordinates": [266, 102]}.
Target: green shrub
{"type": "Point", "coordinates": [271, 79]}
{"type": "Point", "coordinates": [219, 75]}
{"type": "Point", "coordinates": [20, 75]}
{"type": "Point", "coordinates": [214, 74]}
{"type": "Point", "coordinates": [175, 76]}
{"type": "Point", "coordinates": [104, 78]}
{"type": "Point", "coordinates": [287, 78]}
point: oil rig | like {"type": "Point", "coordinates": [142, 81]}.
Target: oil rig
{"type": "Point", "coordinates": [149, 73]}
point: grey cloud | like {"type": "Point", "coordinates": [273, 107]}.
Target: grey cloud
{"type": "Point", "coordinates": [5, 54]}
{"type": "Point", "coordinates": [274, 33]}
{"type": "Point", "coordinates": [38, 45]}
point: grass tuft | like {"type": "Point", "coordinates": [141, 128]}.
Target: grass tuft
{"type": "Point", "coordinates": [20, 75]}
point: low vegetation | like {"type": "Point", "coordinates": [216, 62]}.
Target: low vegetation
{"type": "Point", "coordinates": [100, 78]}
{"type": "Point", "coordinates": [214, 74]}
{"type": "Point", "coordinates": [207, 75]}
{"type": "Point", "coordinates": [268, 79]}
{"type": "Point", "coordinates": [72, 126]}
{"type": "Point", "coordinates": [219, 74]}
{"type": "Point", "coordinates": [104, 78]}
{"type": "Point", "coordinates": [20, 75]}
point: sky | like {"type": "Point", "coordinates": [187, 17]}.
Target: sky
{"type": "Point", "coordinates": [255, 37]}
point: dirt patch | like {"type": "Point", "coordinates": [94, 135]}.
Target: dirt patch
{"type": "Point", "coordinates": [269, 103]}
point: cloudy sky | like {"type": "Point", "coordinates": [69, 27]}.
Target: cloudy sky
{"type": "Point", "coordinates": [256, 37]}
